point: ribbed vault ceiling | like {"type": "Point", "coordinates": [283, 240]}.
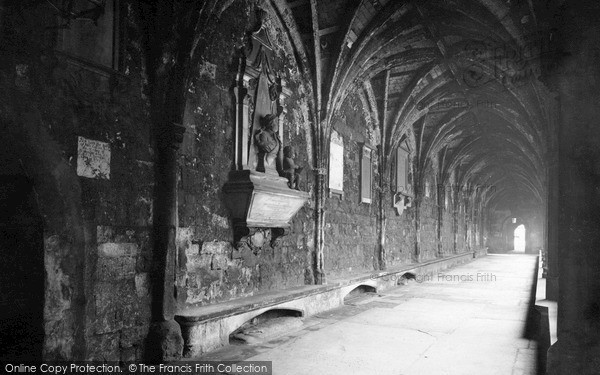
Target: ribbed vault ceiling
{"type": "Point", "coordinates": [458, 79]}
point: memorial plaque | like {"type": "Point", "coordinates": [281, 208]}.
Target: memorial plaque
{"type": "Point", "coordinates": [402, 170]}
{"type": "Point", "coordinates": [273, 208]}
{"type": "Point", "coordinates": [366, 178]}
{"type": "Point", "coordinates": [336, 163]}
{"type": "Point", "coordinates": [93, 159]}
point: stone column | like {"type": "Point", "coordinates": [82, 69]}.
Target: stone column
{"type": "Point", "coordinates": [577, 38]}
{"type": "Point", "coordinates": [455, 213]}
{"type": "Point", "coordinates": [240, 92]}
{"type": "Point", "coordinates": [164, 341]}
{"type": "Point", "coordinates": [419, 192]}
{"type": "Point", "coordinates": [319, 272]}
{"type": "Point", "coordinates": [383, 184]}
{"type": "Point", "coordinates": [440, 200]}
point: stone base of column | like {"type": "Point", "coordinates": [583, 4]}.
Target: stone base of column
{"type": "Point", "coordinates": [574, 359]}
{"type": "Point", "coordinates": [164, 342]}
{"type": "Point", "coordinates": [320, 278]}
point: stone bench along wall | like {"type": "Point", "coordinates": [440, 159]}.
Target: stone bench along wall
{"type": "Point", "coordinates": [202, 336]}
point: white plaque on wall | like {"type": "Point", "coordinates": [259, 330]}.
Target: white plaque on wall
{"type": "Point", "coordinates": [273, 208]}
{"type": "Point", "coordinates": [93, 158]}
{"type": "Point", "coordinates": [336, 163]}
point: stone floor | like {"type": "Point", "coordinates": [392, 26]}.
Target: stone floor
{"type": "Point", "coordinates": [469, 320]}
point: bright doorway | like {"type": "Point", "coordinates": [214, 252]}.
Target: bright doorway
{"type": "Point", "coordinates": [519, 239]}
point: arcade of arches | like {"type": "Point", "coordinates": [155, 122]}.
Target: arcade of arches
{"type": "Point", "coordinates": [160, 157]}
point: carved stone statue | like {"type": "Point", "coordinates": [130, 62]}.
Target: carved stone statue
{"type": "Point", "coordinates": [268, 144]}
{"type": "Point", "coordinates": [290, 170]}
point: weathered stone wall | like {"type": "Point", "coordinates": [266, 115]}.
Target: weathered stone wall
{"type": "Point", "coordinates": [461, 245]}
{"type": "Point", "coordinates": [119, 321]}
{"type": "Point", "coordinates": [400, 230]}
{"type": "Point", "coordinates": [400, 237]}
{"type": "Point", "coordinates": [96, 231]}
{"type": "Point", "coordinates": [351, 226]}
{"type": "Point", "coordinates": [447, 231]}
{"type": "Point", "coordinates": [497, 232]}
{"type": "Point", "coordinates": [210, 269]}
{"type": "Point", "coordinates": [428, 244]}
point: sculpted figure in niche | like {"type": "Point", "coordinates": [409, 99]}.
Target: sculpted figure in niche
{"type": "Point", "coordinates": [268, 144]}
{"type": "Point", "coordinates": [290, 170]}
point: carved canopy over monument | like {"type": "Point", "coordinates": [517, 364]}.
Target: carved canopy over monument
{"type": "Point", "coordinates": [260, 93]}
{"type": "Point", "coordinates": [262, 188]}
